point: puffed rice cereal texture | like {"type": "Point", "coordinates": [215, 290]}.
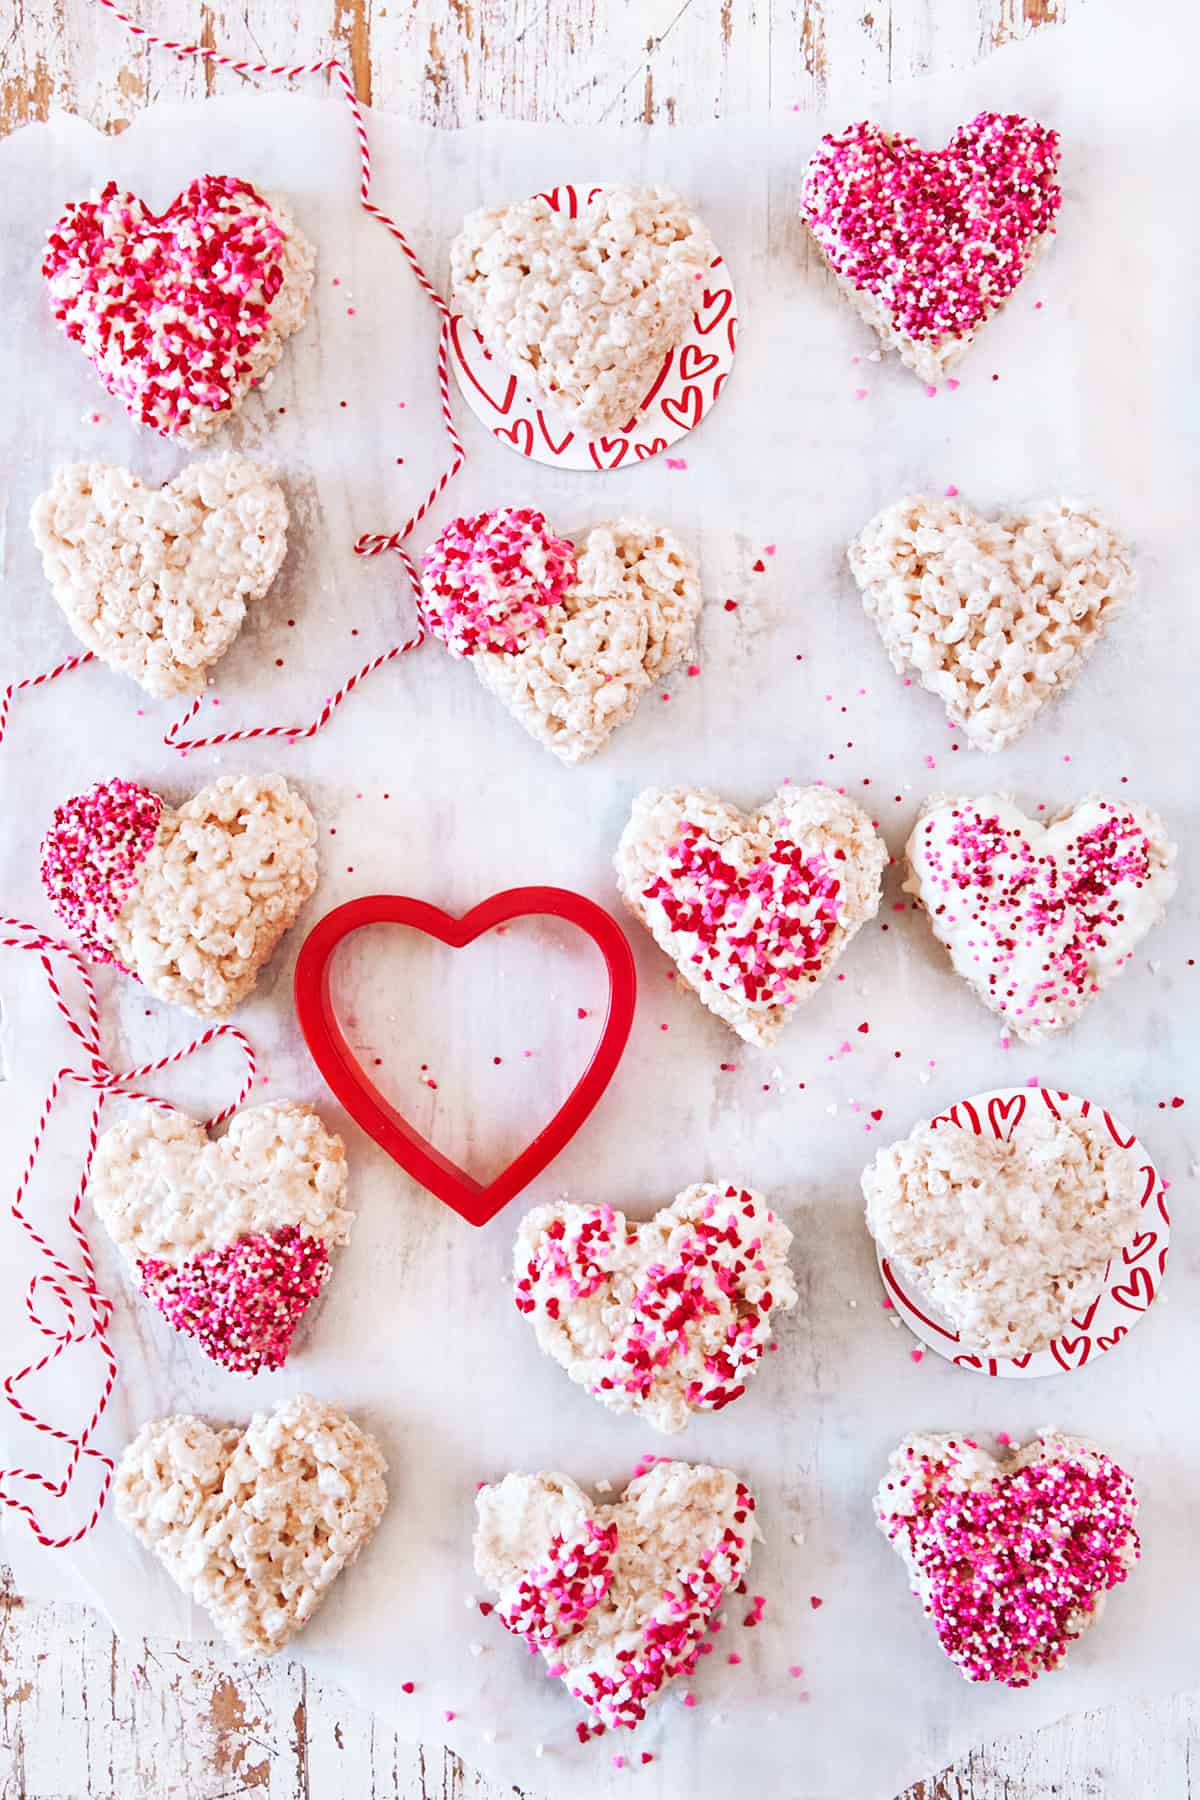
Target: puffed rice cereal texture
{"type": "Point", "coordinates": [584, 308]}
{"type": "Point", "coordinates": [1007, 1238]}
{"type": "Point", "coordinates": [156, 581]}
{"type": "Point", "coordinates": [254, 1525]}
{"type": "Point", "coordinates": [994, 616]}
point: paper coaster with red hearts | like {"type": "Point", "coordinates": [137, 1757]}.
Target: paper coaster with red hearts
{"type": "Point", "coordinates": [507, 384]}
{"type": "Point", "coordinates": [1131, 1279]}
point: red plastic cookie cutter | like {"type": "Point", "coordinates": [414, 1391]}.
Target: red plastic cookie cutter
{"type": "Point", "coordinates": [476, 1201]}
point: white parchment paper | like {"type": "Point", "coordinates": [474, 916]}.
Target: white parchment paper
{"type": "Point", "coordinates": [423, 785]}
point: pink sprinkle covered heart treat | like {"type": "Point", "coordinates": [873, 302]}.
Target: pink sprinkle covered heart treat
{"type": "Point", "coordinates": [181, 313]}
{"type": "Point", "coordinates": [753, 908]}
{"type": "Point", "coordinates": [1039, 917]}
{"type": "Point", "coordinates": [617, 1599]}
{"type": "Point", "coordinates": [230, 1238]}
{"type": "Point", "coordinates": [928, 244]}
{"type": "Point", "coordinates": [1012, 1561]}
{"type": "Point", "coordinates": [569, 634]}
{"type": "Point", "coordinates": [664, 1319]}
{"type": "Point", "coordinates": [193, 902]}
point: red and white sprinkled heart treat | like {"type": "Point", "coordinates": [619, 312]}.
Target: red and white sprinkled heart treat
{"type": "Point", "coordinates": [664, 1319]}
{"type": "Point", "coordinates": [230, 1237]}
{"type": "Point", "coordinates": [568, 634]}
{"type": "Point", "coordinates": [192, 902]}
{"type": "Point", "coordinates": [254, 1525]}
{"type": "Point", "coordinates": [1039, 918]}
{"type": "Point", "coordinates": [1012, 1560]}
{"type": "Point", "coordinates": [994, 616]}
{"type": "Point", "coordinates": [928, 244]}
{"type": "Point", "coordinates": [585, 307]}
{"type": "Point", "coordinates": [155, 581]}
{"type": "Point", "coordinates": [616, 1598]}
{"type": "Point", "coordinates": [183, 312]}
{"type": "Point", "coordinates": [1007, 1238]}
{"type": "Point", "coordinates": [753, 908]}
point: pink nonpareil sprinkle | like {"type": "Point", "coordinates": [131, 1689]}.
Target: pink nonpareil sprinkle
{"type": "Point", "coordinates": [795, 1671]}
{"type": "Point", "coordinates": [917, 1355]}
{"type": "Point", "coordinates": [815, 1601]}
{"type": "Point", "coordinates": [449, 1716]}
{"type": "Point", "coordinates": [951, 492]}
{"type": "Point", "coordinates": [675, 462]}
{"type": "Point", "coordinates": [407, 1687]}
{"type": "Point", "coordinates": [860, 393]}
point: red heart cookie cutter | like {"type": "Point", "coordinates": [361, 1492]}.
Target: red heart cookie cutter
{"type": "Point", "coordinates": [476, 1201]}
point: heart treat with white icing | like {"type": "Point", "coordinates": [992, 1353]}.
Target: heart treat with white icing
{"type": "Point", "coordinates": [617, 1599]}
{"type": "Point", "coordinates": [230, 1238]}
{"type": "Point", "coordinates": [585, 304]}
{"type": "Point", "coordinates": [156, 580]}
{"type": "Point", "coordinates": [193, 902]}
{"type": "Point", "coordinates": [1039, 917]}
{"type": "Point", "coordinates": [568, 634]}
{"type": "Point", "coordinates": [1012, 1558]}
{"type": "Point", "coordinates": [1008, 1238]}
{"type": "Point", "coordinates": [181, 313]}
{"type": "Point", "coordinates": [994, 616]}
{"type": "Point", "coordinates": [754, 908]}
{"type": "Point", "coordinates": [255, 1525]}
{"type": "Point", "coordinates": [664, 1319]}
{"type": "Point", "coordinates": [927, 244]}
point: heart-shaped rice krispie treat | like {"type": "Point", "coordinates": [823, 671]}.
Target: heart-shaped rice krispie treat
{"type": "Point", "coordinates": [992, 615]}
{"type": "Point", "coordinates": [155, 581]}
{"type": "Point", "coordinates": [568, 634]}
{"type": "Point", "coordinates": [183, 312]}
{"type": "Point", "coordinates": [663, 1319]}
{"type": "Point", "coordinates": [1011, 1560]}
{"type": "Point", "coordinates": [229, 1237]}
{"type": "Point", "coordinates": [584, 308]}
{"type": "Point", "coordinates": [1039, 917]}
{"type": "Point", "coordinates": [754, 908]}
{"type": "Point", "coordinates": [927, 244]}
{"type": "Point", "coordinates": [255, 1525]}
{"type": "Point", "coordinates": [191, 902]}
{"type": "Point", "coordinates": [616, 1598]}
{"type": "Point", "coordinates": [1007, 1238]}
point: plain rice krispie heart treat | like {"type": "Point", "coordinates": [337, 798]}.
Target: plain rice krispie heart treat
{"type": "Point", "coordinates": [229, 1237]}
{"type": "Point", "coordinates": [191, 903]}
{"type": "Point", "coordinates": [183, 312]}
{"type": "Point", "coordinates": [754, 908]}
{"type": "Point", "coordinates": [664, 1319]}
{"type": "Point", "coordinates": [616, 1598]}
{"type": "Point", "coordinates": [568, 634]}
{"type": "Point", "coordinates": [155, 581]}
{"type": "Point", "coordinates": [994, 616]}
{"type": "Point", "coordinates": [255, 1525]}
{"type": "Point", "coordinates": [1007, 1238]}
{"type": "Point", "coordinates": [927, 244]}
{"type": "Point", "coordinates": [1011, 1560]}
{"type": "Point", "coordinates": [1039, 918]}
{"type": "Point", "coordinates": [584, 308]}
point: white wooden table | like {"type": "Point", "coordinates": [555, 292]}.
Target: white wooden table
{"type": "Point", "coordinates": [81, 1715]}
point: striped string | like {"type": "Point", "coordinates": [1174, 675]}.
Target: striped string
{"type": "Point", "coordinates": [32, 681]}
{"type": "Point", "coordinates": [85, 1312]}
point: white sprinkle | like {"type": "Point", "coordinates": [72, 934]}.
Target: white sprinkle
{"type": "Point", "coordinates": [603, 1487]}
{"type": "Point", "coordinates": [539, 1749]}
{"type": "Point", "coordinates": [489, 1736]}
{"type": "Point", "coordinates": [831, 1109]}
{"type": "Point", "coordinates": [475, 1649]}
{"type": "Point", "coordinates": [797, 1537]}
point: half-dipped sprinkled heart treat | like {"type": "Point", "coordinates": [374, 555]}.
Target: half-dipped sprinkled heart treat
{"type": "Point", "coordinates": [994, 616]}
{"type": "Point", "coordinates": [156, 581]}
{"type": "Point", "coordinates": [230, 1238]}
{"type": "Point", "coordinates": [1008, 1238]}
{"type": "Point", "coordinates": [664, 1319]}
{"type": "Point", "coordinates": [568, 634]}
{"type": "Point", "coordinates": [585, 307]}
{"type": "Point", "coordinates": [1011, 1560]}
{"type": "Point", "coordinates": [193, 902]}
{"type": "Point", "coordinates": [753, 908]}
{"type": "Point", "coordinates": [928, 244]}
{"type": "Point", "coordinates": [617, 1599]}
{"type": "Point", "coordinates": [254, 1525]}
{"type": "Point", "coordinates": [1039, 918]}
{"type": "Point", "coordinates": [183, 312]}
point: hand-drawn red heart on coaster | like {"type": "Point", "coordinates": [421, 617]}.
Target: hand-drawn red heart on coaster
{"type": "Point", "coordinates": [608, 453]}
{"type": "Point", "coordinates": [684, 408]}
{"type": "Point", "coordinates": [693, 361]}
{"type": "Point", "coordinates": [1002, 1113]}
{"type": "Point", "coordinates": [1137, 1292]}
{"type": "Point", "coordinates": [520, 433]}
{"type": "Point", "coordinates": [475, 1201]}
{"type": "Point", "coordinates": [1071, 1353]}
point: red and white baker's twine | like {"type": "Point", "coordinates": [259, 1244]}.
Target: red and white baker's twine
{"type": "Point", "coordinates": [371, 543]}
{"type": "Point", "coordinates": [86, 1311]}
